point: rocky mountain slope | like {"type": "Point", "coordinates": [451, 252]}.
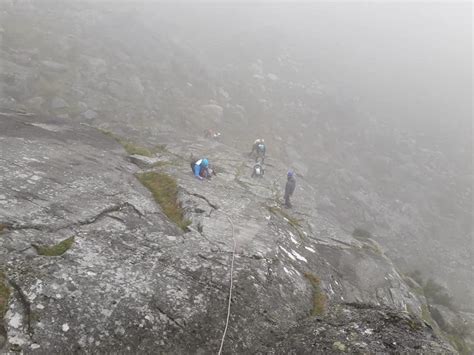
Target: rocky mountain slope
{"type": "Point", "coordinates": [129, 279]}
{"type": "Point", "coordinates": [78, 61]}
{"type": "Point", "coordinates": [148, 78]}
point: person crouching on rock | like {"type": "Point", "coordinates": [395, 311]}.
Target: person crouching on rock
{"type": "Point", "coordinates": [289, 188]}
{"type": "Point", "coordinates": [200, 168]}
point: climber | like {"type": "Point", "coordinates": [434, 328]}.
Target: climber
{"type": "Point", "coordinates": [211, 134]}
{"type": "Point", "coordinates": [200, 168]}
{"type": "Point", "coordinates": [260, 149]}
{"type": "Point", "coordinates": [289, 188]}
{"type": "Point", "coordinates": [258, 170]}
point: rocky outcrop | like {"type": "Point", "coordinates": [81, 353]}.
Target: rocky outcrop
{"type": "Point", "coordinates": [131, 280]}
{"type": "Point", "coordinates": [348, 329]}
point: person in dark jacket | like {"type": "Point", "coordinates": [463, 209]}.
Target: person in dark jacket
{"type": "Point", "coordinates": [259, 149]}
{"type": "Point", "coordinates": [289, 188]}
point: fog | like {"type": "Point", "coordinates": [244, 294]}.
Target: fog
{"type": "Point", "coordinates": [409, 63]}
{"type": "Point", "coordinates": [369, 102]}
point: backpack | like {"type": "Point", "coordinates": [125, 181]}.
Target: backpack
{"type": "Point", "coordinates": [258, 170]}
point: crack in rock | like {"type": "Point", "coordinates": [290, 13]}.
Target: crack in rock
{"type": "Point", "coordinates": [168, 316]}
{"type": "Point", "coordinates": [25, 303]}
{"type": "Point", "coordinates": [91, 220]}
{"type": "Point", "coordinates": [203, 198]}
{"type": "Point", "coordinates": [211, 260]}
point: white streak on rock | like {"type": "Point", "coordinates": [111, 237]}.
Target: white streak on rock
{"type": "Point", "coordinates": [298, 256]}
{"type": "Point", "coordinates": [287, 253]}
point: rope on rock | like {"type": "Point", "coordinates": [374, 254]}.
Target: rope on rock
{"type": "Point", "coordinates": [230, 289]}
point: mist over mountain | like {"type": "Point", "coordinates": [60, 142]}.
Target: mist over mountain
{"type": "Point", "coordinates": [409, 63]}
{"type": "Point", "coordinates": [401, 70]}
{"type": "Point", "coordinates": [370, 104]}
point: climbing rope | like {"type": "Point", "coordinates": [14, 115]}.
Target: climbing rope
{"type": "Point", "coordinates": [230, 289]}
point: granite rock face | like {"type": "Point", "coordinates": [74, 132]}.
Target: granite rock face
{"type": "Point", "coordinates": [132, 281]}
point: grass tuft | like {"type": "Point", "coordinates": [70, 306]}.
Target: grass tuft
{"type": "Point", "coordinates": [133, 149]}
{"type": "Point", "coordinates": [366, 238]}
{"type": "Point", "coordinates": [372, 247]}
{"type": "Point", "coordinates": [416, 275]}
{"type": "Point", "coordinates": [55, 250]}
{"type": "Point", "coordinates": [165, 192]}
{"type": "Point", "coordinates": [291, 220]}
{"type": "Point", "coordinates": [3, 227]}
{"type": "Point", "coordinates": [319, 298]}
{"type": "Point", "coordinates": [361, 233]}
{"type": "Point", "coordinates": [4, 295]}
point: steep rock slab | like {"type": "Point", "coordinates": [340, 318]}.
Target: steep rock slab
{"type": "Point", "coordinates": [132, 281]}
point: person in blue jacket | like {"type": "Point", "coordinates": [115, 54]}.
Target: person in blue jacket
{"type": "Point", "coordinates": [200, 168]}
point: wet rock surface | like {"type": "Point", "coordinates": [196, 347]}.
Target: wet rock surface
{"type": "Point", "coordinates": [133, 281]}
{"type": "Point", "coordinates": [78, 61]}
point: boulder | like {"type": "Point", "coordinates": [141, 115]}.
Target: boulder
{"type": "Point", "coordinates": [90, 114]}
{"type": "Point", "coordinates": [58, 103]}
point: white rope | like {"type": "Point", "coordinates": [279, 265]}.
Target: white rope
{"type": "Point", "coordinates": [230, 289]}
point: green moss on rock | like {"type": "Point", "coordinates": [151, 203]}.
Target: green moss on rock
{"type": "Point", "coordinates": [291, 220]}
{"type": "Point", "coordinates": [55, 250]}
{"type": "Point", "coordinates": [165, 192]}
{"type": "Point", "coordinates": [319, 298]}
{"type": "Point", "coordinates": [132, 149]}
{"type": "Point", "coordinates": [361, 233]}
{"type": "Point", "coordinates": [4, 295]}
